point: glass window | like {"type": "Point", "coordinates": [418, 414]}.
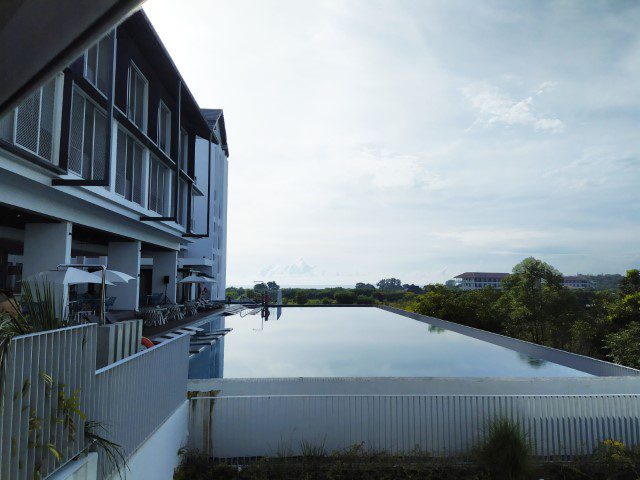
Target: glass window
{"type": "Point", "coordinates": [160, 188]}
{"type": "Point", "coordinates": [137, 98]}
{"type": "Point", "coordinates": [129, 167]}
{"type": "Point", "coordinates": [87, 138]}
{"type": "Point", "coordinates": [99, 63]}
{"type": "Point", "coordinates": [164, 128]}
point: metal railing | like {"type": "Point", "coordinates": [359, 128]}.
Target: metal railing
{"type": "Point", "coordinates": [558, 426]}
{"type": "Point", "coordinates": [134, 396]}
{"type": "Point", "coordinates": [43, 375]}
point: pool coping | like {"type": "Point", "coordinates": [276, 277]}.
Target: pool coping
{"type": "Point", "coordinates": [593, 366]}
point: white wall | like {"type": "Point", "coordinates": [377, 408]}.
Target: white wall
{"type": "Point", "coordinates": [158, 457]}
{"type": "Point", "coordinates": [83, 468]}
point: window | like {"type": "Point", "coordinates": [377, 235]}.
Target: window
{"type": "Point", "coordinates": [137, 98]}
{"type": "Point", "coordinates": [159, 187]}
{"type": "Point", "coordinates": [164, 128]}
{"type": "Point", "coordinates": [98, 63]}
{"type": "Point", "coordinates": [129, 168]}
{"type": "Point", "coordinates": [31, 124]}
{"type": "Point", "coordinates": [87, 138]}
{"type": "Point", "coordinates": [184, 149]}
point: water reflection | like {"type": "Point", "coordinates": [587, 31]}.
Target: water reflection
{"type": "Point", "coordinates": [532, 361]}
{"type": "Point", "coordinates": [434, 329]}
{"type": "Point", "coordinates": [356, 341]}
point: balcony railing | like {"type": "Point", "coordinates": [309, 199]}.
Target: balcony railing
{"type": "Point", "coordinates": [48, 377]}
{"type": "Point", "coordinates": [134, 396]}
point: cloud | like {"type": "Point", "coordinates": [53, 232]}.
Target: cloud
{"type": "Point", "coordinates": [297, 269]}
{"type": "Point", "coordinates": [382, 168]}
{"type": "Point", "coordinates": [496, 107]}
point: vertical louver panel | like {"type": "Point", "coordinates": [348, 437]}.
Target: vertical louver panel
{"type": "Point", "coordinates": [28, 122]}
{"type": "Point", "coordinates": [128, 167]}
{"type": "Point", "coordinates": [87, 146]}
{"type": "Point", "coordinates": [88, 139]}
{"type": "Point", "coordinates": [100, 145]}
{"type": "Point", "coordinates": [6, 128]}
{"type": "Point", "coordinates": [137, 173]}
{"type": "Point", "coordinates": [121, 159]}
{"type": "Point", "coordinates": [76, 134]}
{"type": "Point", "coordinates": [105, 58]}
{"type": "Point", "coordinates": [153, 184]}
{"type": "Point", "coordinates": [45, 147]}
{"type": "Point", "coordinates": [30, 126]}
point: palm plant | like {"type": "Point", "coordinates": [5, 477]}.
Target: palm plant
{"type": "Point", "coordinates": [39, 309]}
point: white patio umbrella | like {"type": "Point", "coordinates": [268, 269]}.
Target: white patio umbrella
{"type": "Point", "coordinates": [116, 277]}
{"type": "Point", "coordinates": [197, 279]}
{"type": "Point", "coordinates": [70, 276]}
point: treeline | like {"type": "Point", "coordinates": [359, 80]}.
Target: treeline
{"type": "Point", "coordinates": [387, 290]}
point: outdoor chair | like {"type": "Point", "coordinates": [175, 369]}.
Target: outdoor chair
{"type": "Point", "coordinates": [109, 302]}
{"type": "Point", "coordinates": [153, 316]}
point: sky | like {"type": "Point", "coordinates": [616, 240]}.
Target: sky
{"type": "Point", "coordinates": [417, 139]}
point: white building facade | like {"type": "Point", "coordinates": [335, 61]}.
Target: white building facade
{"type": "Point", "coordinates": [110, 162]}
{"type": "Point", "coordinates": [479, 280]}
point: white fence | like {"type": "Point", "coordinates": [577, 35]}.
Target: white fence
{"type": "Point", "coordinates": [557, 425]}
{"type": "Point", "coordinates": [118, 341]}
{"type": "Point", "coordinates": [43, 372]}
{"type": "Point", "coordinates": [134, 396]}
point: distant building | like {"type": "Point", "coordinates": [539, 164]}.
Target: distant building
{"type": "Point", "coordinates": [578, 281]}
{"type": "Point", "coordinates": [478, 280]}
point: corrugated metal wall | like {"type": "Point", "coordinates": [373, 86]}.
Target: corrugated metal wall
{"type": "Point", "coordinates": [557, 425]}
{"type": "Point", "coordinates": [30, 402]}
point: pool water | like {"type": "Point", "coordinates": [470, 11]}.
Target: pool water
{"type": "Point", "coordinates": [357, 342]}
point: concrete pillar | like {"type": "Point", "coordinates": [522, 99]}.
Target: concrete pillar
{"type": "Point", "coordinates": [47, 245]}
{"type": "Point", "coordinates": [165, 264]}
{"type": "Point", "coordinates": [125, 257]}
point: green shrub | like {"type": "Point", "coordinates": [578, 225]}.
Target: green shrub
{"type": "Point", "coordinates": [345, 297]}
{"type": "Point", "coordinates": [505, 452]}
{"type": "Point", "coordinates": [364, 300]}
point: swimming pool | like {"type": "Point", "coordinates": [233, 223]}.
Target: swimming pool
{"type": "Point", "coordinates": [356, 342]}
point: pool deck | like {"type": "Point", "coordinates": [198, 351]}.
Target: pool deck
{"type": "Point", "coordinates": [155, 331]}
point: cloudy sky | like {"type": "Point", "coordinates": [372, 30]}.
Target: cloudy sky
{"type": "Point", "coordinates": [419, 139]}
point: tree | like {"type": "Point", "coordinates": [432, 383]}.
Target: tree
{"type": "Point", "coordinates": [630, 283]}
{"type": "Point", "coordinates": [260, 287]}
{"type": "Point", "coordinates": [533, 300]}
{"type": "Point", "coordinates": [365, 286]}
{"type": "Point", "coordinates": [624, 346]}
{"type": "Point", "coordinates": [273, 285]}
{"type": "Point", "coordinates": [412, 288]}
{"type": "Point", "coordinates": [626, 310]}
{"type": "Point", "coordinates": [389, 284]}
{"type": "Point", "coordinates": [440, 302]}
{"type": "Point", "coordinates": [345, 297]}
{"type": "Point", "coordinates": [301, 297]}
